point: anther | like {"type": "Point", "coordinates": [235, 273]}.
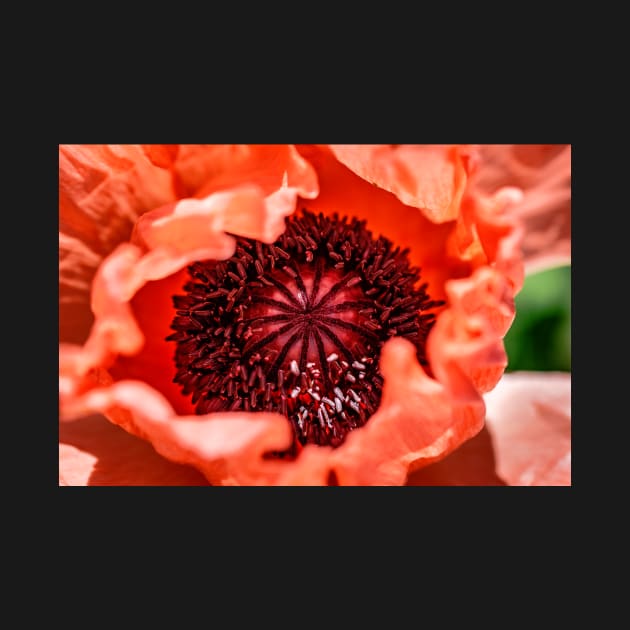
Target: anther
{"type": "Point", "coordinates": [297, 326]}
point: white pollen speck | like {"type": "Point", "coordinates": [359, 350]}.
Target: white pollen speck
{"type": "Point", "coordinates": [321, 417]}
{"type": "Point", "coordinates": [332, 357]}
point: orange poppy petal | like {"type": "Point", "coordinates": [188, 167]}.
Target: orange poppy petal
{"type": "Point", "coordinates": [196, 228]}
{"type": "Point", "coordinates": [102, 191]}
{"type": "Point", "coordinates": [432, 178]}
{"type": "Point", "coordinates": [228, 448]}
{"type": "Point", "coordinates": [165, 240]}
{"type": "Point", "coordinates": [529, 421]}
{"type": "Point", "coordinates": [162, 155]}
{"type": "Point", "coordinates": [95, 452]}
{"type": "Point", "coordinates": [77, 266]}
{"type": "Point", "coordinates": [418, 421]}
{"type": "Point", "coordinates": [204, 169]}
{"type": "Point", "coordinates": [467, 362]}
{"type": "Point", "coordinates": [345, 193]}
{"type": "Point", "coordinates": [543, 173]}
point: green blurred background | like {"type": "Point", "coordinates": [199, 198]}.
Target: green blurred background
{"type": "Point", "coordinates": [540, 337]}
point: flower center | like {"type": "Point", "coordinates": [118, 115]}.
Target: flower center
{"type": "Point", "coordinates": [297, 326]}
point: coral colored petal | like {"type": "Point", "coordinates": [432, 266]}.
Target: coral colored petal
{"type": "Point", "coordinates": [227, 448]}
{"type": "Point", "coordinates": [431, 178]}
{"type": "Point", "coordinates": [345, 193]}
{"type": "Point", "coordinates": [196, 229]}
{"type": "Point", "coordinates": [465, 347]}
{"type": "Point", "coordinates": [313, 468]}
{"type": "Point", "coordinates": [167, 239]}
{"type": "Point", "coordinates": [529, 420]}
{"type": "Point", "coordinates": [103, 189]}
{"type": "Point", "coordinates": [162, 155]}
{"type": "Point", "coordinates": [418, 421]}
{"type": "Point", "coordinates": [95, 452]}
{"type": "Point", "coordinates": [204, 169]}
{"type": "Point", "coordinates": [543, 172]}
{"type": "Point", "coordinates": [77, 266]}
{"type": "Point", "coordinates": [232, 178]}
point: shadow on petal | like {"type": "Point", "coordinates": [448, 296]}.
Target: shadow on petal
{"type": "Point", "coordinates": [472, 464]}
{"type": "Point", "coordinates": [95, 452]}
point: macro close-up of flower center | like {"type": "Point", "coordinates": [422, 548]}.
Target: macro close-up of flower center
{"type": "Point", "coordinates": [297, 326]}
{"type": "Point", "coordinates": [298, 314]}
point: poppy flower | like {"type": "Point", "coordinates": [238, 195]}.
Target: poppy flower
{"type": "Point", "coordinates": [282, 315]}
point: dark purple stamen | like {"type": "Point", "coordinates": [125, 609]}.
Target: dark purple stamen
{"type": "Point", "coordinates": [297, 326]}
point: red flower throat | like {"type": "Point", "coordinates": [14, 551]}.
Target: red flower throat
{"type": "Point", "coordinates": [297, 326]}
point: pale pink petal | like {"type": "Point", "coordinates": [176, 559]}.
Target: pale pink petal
{"type": "Point", "coordinates": [529, 420]}
{"type": "Point", "coordinates": [543, 173]}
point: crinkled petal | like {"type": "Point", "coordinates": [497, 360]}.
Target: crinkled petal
{"type": "Point", "coordinates": [228, 448]}
{"type": "Point", "coordinates": [103, 189]}
{"type": "Point", "coordinates": [526, 439]}
{"type": "Point", "coordinates": [198, 227]}
{"type": "Point", "coordinates": [95, 452]}
{"type": "Point", "coordinates": [543, 172]}
{"type": "Point", "coordinates": [465, 347]}
{"type": "Point", "coordinates": [167, 239]}
{"type": "Point", "coordinates": [204, 169]}
{"type": "Point", "coordinates": [529, 420]}
{"type": "Point", "coordinates": [418, 421]}
{"type": "Point", "coordinates": [432, 178]}
{"type": "Point", "coordinates": [346, 193]}
{"type": "Point", "coordinates": [421, 418]}
{"type": "Point", "coordinates": [77, 266]}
